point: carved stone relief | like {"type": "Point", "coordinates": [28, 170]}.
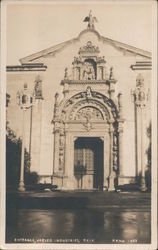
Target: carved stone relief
{"type": "Point", "coordinates": [86, 65]}
{"type": "Point", "coordinates": [61, 150]}
{"type": "Point", "coordinates": [89, 112]}
{"type": "Point", "coordinates": [97, 108]}
{"type": "Point", "coordinates": [115, 150]}
{"type": "Point", "coordinates": [86, 98]}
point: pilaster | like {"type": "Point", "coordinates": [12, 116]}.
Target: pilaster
{"type": "Point", "coordinates": [36, 126]}
{"type": "Point", "coordinates": [106, 160]}
{"type": "Point", "coordinates": [111, 186]}
{"type": "Point", "coordinates": [140, 100]}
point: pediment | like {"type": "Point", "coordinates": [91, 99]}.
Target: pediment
{"type": "Point", "coordinates": [57, 48]}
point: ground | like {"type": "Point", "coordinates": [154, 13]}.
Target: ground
{"type": "Point", "coordinates": [78, 217]}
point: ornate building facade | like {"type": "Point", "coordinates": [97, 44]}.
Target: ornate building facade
{"type": "Point", "coordinates": [87, 127]}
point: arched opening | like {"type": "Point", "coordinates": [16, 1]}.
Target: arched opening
{"type": "Point", "coordinates": [88, 162]}
{"type": "Point", "coordinates": [89, 72]}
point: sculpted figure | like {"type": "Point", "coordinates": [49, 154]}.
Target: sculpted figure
{"type": "Point", "coordinates": [91, 20]}
{"type": "Point", "coordinates": [66, 73]}
{"type": "Point", "coordinates": [88, 73]}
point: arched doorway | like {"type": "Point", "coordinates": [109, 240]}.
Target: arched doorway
{"type": "Point", "coordinates": [86, 122]}
{"type": "Point", "coordinates": [88, 162]}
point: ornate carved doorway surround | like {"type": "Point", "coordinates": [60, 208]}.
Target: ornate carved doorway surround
{"type": "Point", "coordinates": [87, 114]}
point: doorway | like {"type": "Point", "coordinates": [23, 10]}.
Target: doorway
{"type": "Point", "coordinates": [88, 162]}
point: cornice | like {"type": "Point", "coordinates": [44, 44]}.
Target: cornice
{"type": "Point", "coordinates": [84, 81]}
{"type": "Point", "coordinates": [27, 67]}
{"type": "Point", "coordinates": [143, 65]}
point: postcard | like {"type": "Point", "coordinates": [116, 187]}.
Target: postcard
{"type": "Point", "coordinates": [78, 125]}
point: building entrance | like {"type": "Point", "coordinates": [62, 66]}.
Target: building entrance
{"type": "Point", "coordinates": [88, 162]}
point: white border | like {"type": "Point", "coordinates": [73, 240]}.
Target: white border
{"type": "Point", "coordinates": [151, 246]}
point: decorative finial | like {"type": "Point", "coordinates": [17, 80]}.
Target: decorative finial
{"type": "Point", "coordinates": [38, 88]}
{"type": "Point", "coordinates": [90, 19]}
{"type": "Point", "coordinates": [139, 80]}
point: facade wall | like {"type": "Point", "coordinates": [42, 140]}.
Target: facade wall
{"type": "Point", "coordinates": [42, 142]}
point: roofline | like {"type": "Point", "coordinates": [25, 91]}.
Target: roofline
{"type": "Point", "coordinates": [142, 65]}
{"type": "Point", "coordinates": [56, 48]}
{"type": "Point", "coordinates": [27, 67]}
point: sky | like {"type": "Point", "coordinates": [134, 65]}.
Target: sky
{"type": "Point", "coordinates": [34, 27]}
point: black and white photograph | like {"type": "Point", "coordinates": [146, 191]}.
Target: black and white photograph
{"type": "Point", "coordinates": [78, 125]}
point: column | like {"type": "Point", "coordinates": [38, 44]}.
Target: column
{"type": "Point", "coordinates": [138, 140]}
{"type": "Point", "coordinates": [111, 172]}
{"type": "Point", "coordinates": [140, 99]}
{"type": "Point", "coordinates": [21, 182]}
{"type": "Point", "coordinates": [37, 118]}
{"type": "Point", "coordinates": [142, 183]}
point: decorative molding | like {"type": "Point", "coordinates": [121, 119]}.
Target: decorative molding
{"type": "Point", "coordinates": [92, 112]}
{"type": "Point", "coordinates": [89, 48]}
{"type": "Point", "coordinates": [27, 67]}
{"type": "Point", "coordinates": [83, 81]}
{"type": "Point", "coordinates": [88, 124]}
{"type": "Point", "coordinates": [145, 65]}
{"type": "Point", "coordinates": [95, 99]}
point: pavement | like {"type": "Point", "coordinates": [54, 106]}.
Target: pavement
{"type": "Point", "coordinates": [81, 199]}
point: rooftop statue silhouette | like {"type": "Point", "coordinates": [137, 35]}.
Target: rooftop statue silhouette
{"type": "Point", "coordinates": [91, 20]}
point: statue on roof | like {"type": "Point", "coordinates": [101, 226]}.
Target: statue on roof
{"type": "Point", "coordinates": [90, 19]}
